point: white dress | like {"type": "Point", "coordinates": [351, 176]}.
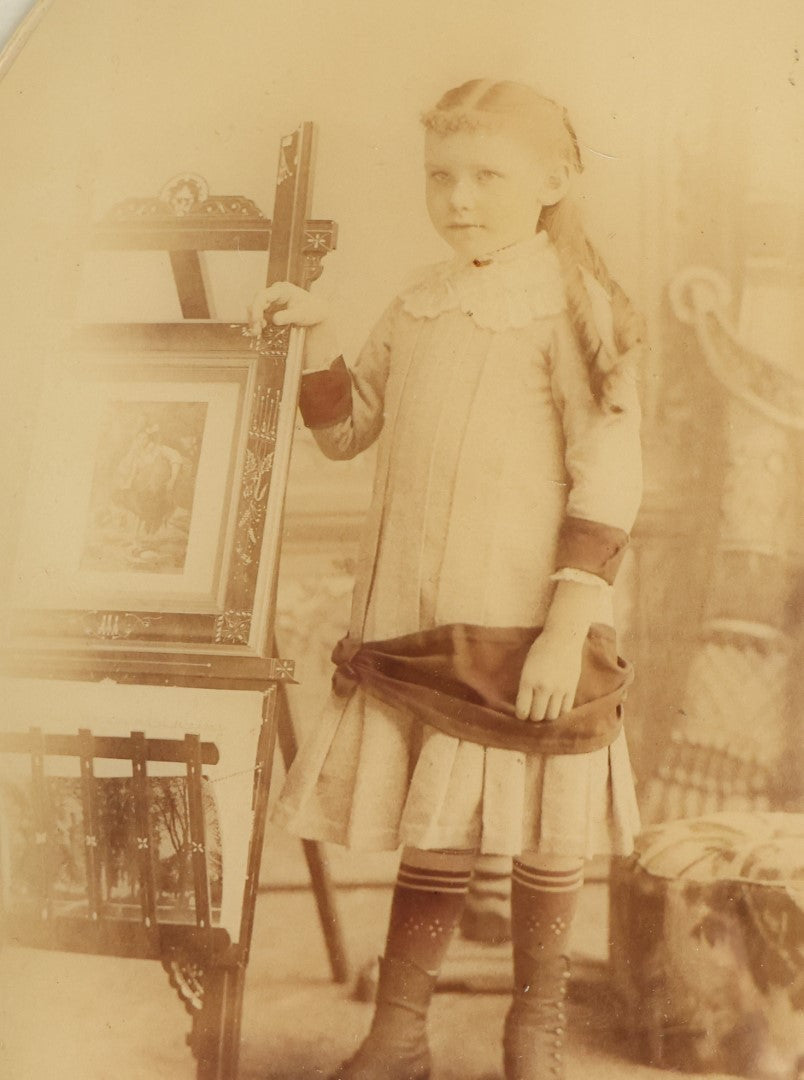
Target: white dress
{"type": "Point", "coordinates": [489, 436]}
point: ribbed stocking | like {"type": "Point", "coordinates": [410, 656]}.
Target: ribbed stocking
{"type": "Point", "coordinates": [427, 904]}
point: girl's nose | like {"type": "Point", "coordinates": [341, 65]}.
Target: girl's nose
{"type": "Point", "coordinates": [461, 195]}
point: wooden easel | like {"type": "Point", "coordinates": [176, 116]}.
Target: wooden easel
{"type": "Point", "coordinates": [206, 968]}
{"type": "Point", "coordinates": [231, 223]}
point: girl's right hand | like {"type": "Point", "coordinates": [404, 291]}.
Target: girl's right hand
{"type": "Point", "coordinates": [285, 304]}
{"type": "Point", "coordinates": [550, 676]}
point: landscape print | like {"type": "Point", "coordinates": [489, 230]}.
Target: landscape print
{"type": "Point", "coordinates": [59, 868]}
{"type": "Point", "coordinates": [143, 486]}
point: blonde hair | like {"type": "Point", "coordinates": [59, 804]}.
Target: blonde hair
{"type": "Point", "coordinates": [482, 104]}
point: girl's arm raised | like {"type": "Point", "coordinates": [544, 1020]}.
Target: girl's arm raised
{"type": "Point", "coordinates": [343, 408]}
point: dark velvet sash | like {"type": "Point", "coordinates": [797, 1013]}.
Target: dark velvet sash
{"type": "Point", "coordinates": [463, 680]}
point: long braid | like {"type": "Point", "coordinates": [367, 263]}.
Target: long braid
{"type": "Point", "coordinates": [562, 224]}
{"type": "Point", "coordinates": [607, 372]}
{"type": "Point", "coordinates": [629, 326]}
{"type": "Point", "coordinates": [629, 338]}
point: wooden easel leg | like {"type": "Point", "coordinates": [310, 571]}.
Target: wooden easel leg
{"type": "Point", "coordinates": [324, 893]}
{"type": "Point", "coordinates": [215, 1036]}
{"type": "Point", "coordinates": [323, 889]}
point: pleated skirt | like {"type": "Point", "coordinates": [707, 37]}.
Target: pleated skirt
{"type": "Point", "coordinates": [372, 777]}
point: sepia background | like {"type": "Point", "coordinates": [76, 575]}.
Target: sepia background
{"type": "Point", "coordinates": [690, 117]}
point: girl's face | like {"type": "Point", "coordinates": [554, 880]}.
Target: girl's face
{"type": "Point", "coordinates": [485, 190]}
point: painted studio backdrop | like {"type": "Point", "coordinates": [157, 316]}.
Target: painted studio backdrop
{"type": "Point", "coordinates": [689, 118]}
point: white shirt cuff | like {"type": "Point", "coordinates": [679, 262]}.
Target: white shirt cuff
{"type": "Point", "coordinates": [582, 577]}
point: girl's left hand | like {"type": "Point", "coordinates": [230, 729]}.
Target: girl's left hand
{"type": "Point", "coordinates": [549, 676]}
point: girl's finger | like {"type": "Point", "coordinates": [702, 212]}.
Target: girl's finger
{"type": "Point", "coordinates": [278, 293]}
{"type": "Point", "coordinates": [541, 699]}
{"type": "Point", "coordinates": [569, 700]}
{"type": "Point", "coordinates": [281, 317]}
{"type": "Point", "coordinates": [260, 299]}
{"type": "Point", "coordinates": [255, 318]}
{"type": "Point", "coordinates": [553, 707]}
{"type": "Point", "coordinates": [524, 700]}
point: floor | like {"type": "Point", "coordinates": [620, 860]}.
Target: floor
{"type": "Point", "coordinates": [92, 1018]}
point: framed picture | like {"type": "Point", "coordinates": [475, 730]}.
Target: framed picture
{"type": "Point", "coordinates": [151, 526]}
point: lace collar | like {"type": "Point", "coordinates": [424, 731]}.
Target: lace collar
{"type": "Point", "coordinates": [505, 290]}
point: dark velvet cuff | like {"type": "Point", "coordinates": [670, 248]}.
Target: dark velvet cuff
{"type": "Point", "coordinates": [326, 396]}
{"type": "Point", "coordinates": [591, 546]}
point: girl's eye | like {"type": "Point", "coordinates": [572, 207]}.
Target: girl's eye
{"type": "Point", "coordinates": [439, 176]}
{"type": "Point", "coordinates": [488, 174]}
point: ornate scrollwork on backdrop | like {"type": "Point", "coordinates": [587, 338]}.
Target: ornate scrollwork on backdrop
{"type": "Point", "coordinates": [701, 298]}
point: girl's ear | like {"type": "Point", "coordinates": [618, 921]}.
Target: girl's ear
{"type": "Point", "coordinates": [555, 184]}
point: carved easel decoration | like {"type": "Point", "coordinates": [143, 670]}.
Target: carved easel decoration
{"type": "Point", "coordinates": [185, 219]}
{"type": "Point", "coordinates": [228, 647]}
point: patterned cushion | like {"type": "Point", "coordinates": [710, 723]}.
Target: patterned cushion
{"type": "Point", "coordinates": [707, 944]}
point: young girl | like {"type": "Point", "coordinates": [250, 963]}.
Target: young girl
{"type": "Point", "coordinates": [476, 704]}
